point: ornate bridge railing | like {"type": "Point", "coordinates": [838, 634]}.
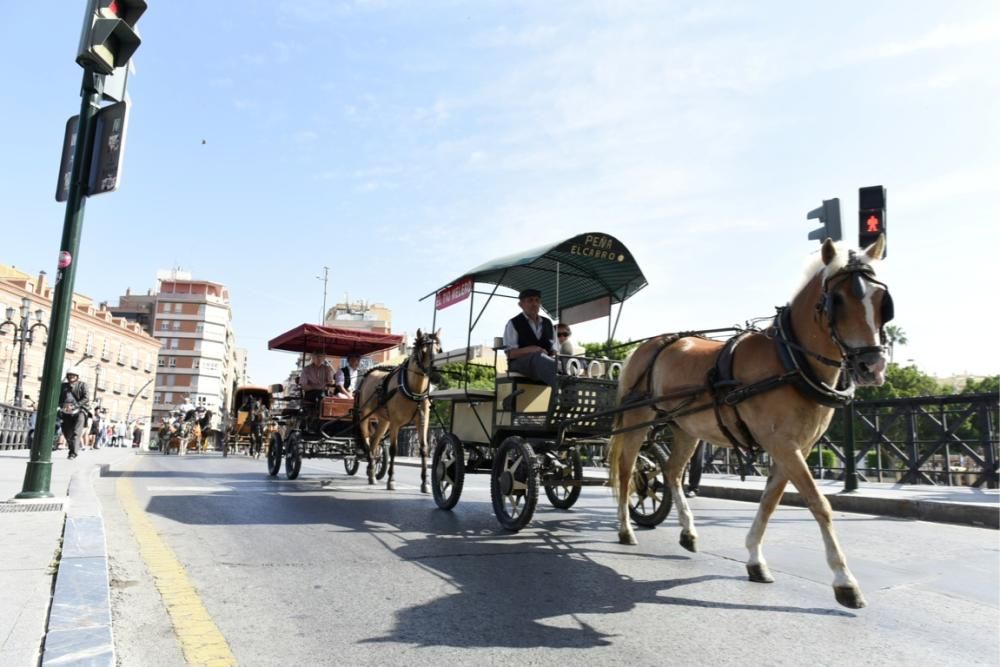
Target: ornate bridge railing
{"type": "Point", "coordinates": [14, 426]}
{"type": "Point", "coordinates": [942, 440]}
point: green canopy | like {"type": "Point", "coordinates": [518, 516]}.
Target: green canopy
{"type": "Point", "coordinates": [586, 268]}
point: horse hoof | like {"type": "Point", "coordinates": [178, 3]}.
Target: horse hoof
{"type": "Point", "coordinates": [850, 597]}
{"type": "Point", "coordinates": [689, 542]}
{"type": "Point", "coordinates": [627, 538]}
{"type": "Point", "coordinates": [760, 574]}
{"type": "Point", "coordinates": [371, 482]}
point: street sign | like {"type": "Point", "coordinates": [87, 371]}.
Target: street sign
{"type": "Point", "coordinates": [109, 149]}
{"type": "Point", "coordinates": [66, 163]}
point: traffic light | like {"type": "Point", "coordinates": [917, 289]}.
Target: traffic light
{"type": "Point", "coordinates": [109, 38]}
{"type": "Point", "coordinates": [829, 215]}
{"type": "Point", "coordinates": [871, 215]}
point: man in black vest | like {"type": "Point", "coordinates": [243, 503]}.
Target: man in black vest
{"type": "Point", "coordinates": [73, 406]}
{"type": "Point", "coordinates": [349, 377]}
{"type": "Point", "coordinates": [529, 340]}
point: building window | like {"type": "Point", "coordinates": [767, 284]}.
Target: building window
{"type": "Point", "coordinates": [164, 325]}
{"type": "Point", "coordinates": [70, 345]}
{"type": "Point", "coordinates": [89, 349]}
{"type": "Point", "coordinates": [170, 380]}
{"type": "Point", "coordinates": [196, 363]}
{"type": "Point", "coordinates": [157, 397]}
{"type": "Point", "coordinates": [202, 400]}
{"type": "Point", "coordinates": [161, 362]}
{"type": "Point", "coordinates": [177, 307]}
{"type": "Point", "coordinates": [168, 397]}
{"type": "Point", "coordinates": [104, 349]}
{"type": "Point", "coordinates": [173, 343]}
{"type": "Point", "coordinates": [172, 362]}
{"type": "Point", "coordinates": [201, 309]}
{"type": "Point", "coordinates": [177, 325]}
{"type": "Point", "coordinates": [199, 328]}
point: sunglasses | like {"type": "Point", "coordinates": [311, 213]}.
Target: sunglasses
{"type": "Point", "coordinates": [562, 334]}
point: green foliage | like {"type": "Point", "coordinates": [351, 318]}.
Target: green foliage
{"type": "Point", "coordinates": [902, 382]}
{"type": "Point", "coordinates": [987, 385]}
{"type": "Point", "coordinates": [618, 350]}
{"type": "Point", "coordinates": [829, 458]}
{"type": "Point", "coordinates": [455, 374]}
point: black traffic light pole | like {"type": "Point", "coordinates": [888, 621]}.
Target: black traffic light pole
{"type": "Point", "coordinates": [38, 476]}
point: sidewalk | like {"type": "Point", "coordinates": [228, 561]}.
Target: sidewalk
{"type": "Point", "coordinates": [32, 547]}
{"type": "Point", "coordinates": [941, 504]}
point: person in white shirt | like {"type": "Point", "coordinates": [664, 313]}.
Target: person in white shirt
{"type": "Point", "coordinates": [530, 341]}
{"type": "Point", "coordinates": [349, 377]}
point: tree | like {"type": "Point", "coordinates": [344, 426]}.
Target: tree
{"type": "Point", "coordinates": [902, 382]}
{"type": "Point", "coordinates": [893, 335]}
{"type": "Point", "coordinates": [479, 376]}
{"type": "Point", "coordinates": [613, 349]}
{"type": "Point", "coordinates": [987, 385]}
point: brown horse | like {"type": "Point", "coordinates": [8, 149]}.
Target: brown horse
{"type": "Point", "coordinates": [395, 397]}
{"type": "Point", "coordinates": [773, 390]}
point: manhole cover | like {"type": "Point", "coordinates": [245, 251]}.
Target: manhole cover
{"type": "Point", "coordinates": [8, 508]}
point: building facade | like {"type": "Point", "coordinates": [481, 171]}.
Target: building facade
{"type": "Point", "coordinates": [198, 359]}
{"type": "Point", "coordinates": [116, 357]}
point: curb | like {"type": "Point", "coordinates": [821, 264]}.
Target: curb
{"type": "Point", "coordinates": [80, 625]}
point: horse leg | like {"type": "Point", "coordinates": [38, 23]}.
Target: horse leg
{"type": "Point", "coordinates": [374, 442]}
{"type": "Point", "coordinates": [845, 586]}
{"type": "Point", "coordinates": [423, 415]}
{"type": "Point", "coordinates": [681, 448]}
{"type": "Point", "coordinates": [621, 461]}
{"type": "Point", "coordinates": [756, 565]}
{"type": "Point", "coordinates": [391, 475]}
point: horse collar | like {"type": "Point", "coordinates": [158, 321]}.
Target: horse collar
{"type": "Point", "coordinates": [793, 358]}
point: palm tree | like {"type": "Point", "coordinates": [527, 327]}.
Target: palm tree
{"type": "Point", "coordinates": [893, 335]}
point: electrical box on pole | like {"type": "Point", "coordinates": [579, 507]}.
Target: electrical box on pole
{"type": "Point", "coordinates": [871, 216]}
{"type": "Point", "coordinates": [108, 38]}
{"type": "Point", "coordinates": [829, 216]}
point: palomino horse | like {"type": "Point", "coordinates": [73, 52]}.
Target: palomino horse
{"type": "Point", "coordinates": [395, 396]}
{"type": "Point", "coordinates": [773, 390]}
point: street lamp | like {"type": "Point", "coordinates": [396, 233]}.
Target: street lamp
{"type": "Point", "coordinates": [23, 334]}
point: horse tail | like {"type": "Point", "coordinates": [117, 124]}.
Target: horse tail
{"type": "Point", "coordinates": [617, 439]}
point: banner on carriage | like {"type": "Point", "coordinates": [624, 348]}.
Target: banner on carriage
{"type": "Point", "coordinates": [453, 293]}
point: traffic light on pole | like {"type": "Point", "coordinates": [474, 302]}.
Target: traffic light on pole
{"type": "Point", "coordinates": [109, 38]}
{"type": "Point", "coordinates": [829, 215]}
{"type": "Point", "coordinates": [871, 215]}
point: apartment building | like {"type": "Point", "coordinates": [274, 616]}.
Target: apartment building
{"type": "Point", "coordinates": [198, 358]}
{"type": "Point", "coordinates": [116, 357]}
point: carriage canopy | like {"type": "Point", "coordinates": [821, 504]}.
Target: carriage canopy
{"type": "Point", "coordinates": [593, 268]}
{"type": "Point", "coordinates": [338, 342]}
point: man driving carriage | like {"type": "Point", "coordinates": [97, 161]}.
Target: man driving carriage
{"type": "Point", "coordinates": [315, 378]}
{"type": "Point", "coordinates": [530, 341]}
{"type": "Point", "coordinates": [348, 378]}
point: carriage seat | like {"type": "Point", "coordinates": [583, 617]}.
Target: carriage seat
{"type": "Point", "coordinates": [334, 407]}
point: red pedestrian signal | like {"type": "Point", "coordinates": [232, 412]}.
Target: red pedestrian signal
{"type": "Point", "coordinates": [873, 225]}
{"type": "Point", "coordinates": [871, 215]}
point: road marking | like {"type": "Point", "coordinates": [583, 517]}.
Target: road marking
{"type": "Point", "coordinates": [200, 639]}
{"type": "Point", "coordinates": [195, 489]}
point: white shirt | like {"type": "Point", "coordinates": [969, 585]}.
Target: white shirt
{"type": "Point", "coordinates": [510, 341]}
{"type": "Point", "coordinates": [355, 375]}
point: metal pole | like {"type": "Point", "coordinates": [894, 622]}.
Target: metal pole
{"type": "Point", "coordinates": [38, 475]}
{"type": "Point", "coordinates": [19, 381]}
{"type": "Point", "coordinates": [850, 462]}
{"type": "Point", "coordinates": [128, 413]}
{"type": "Point", "coordinates": [326, 273]}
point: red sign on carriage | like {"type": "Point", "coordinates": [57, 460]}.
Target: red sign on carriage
{"type": "Point", "coordinates": [453, 293]}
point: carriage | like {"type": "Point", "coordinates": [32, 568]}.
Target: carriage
{"type": "Point", "coordinates": [249, 422]}
{"type": "Point", "coordinates": [522, 432]}
{"type": "Point", "coordinates": [327, 428]}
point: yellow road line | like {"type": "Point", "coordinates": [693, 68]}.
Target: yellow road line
{"type": "Point", "coordinates": [200, 639]}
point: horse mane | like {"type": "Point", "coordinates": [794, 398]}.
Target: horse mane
{"type": "Point", "coordinates": [814, 264]}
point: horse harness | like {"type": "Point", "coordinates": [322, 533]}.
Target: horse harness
{"type": "Point", "coordinates": [728, 392]}
{"type": "Point", "coordinates": [383, 393]}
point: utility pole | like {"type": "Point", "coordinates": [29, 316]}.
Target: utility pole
{"type": "Point", "coordinates": [326, 274]}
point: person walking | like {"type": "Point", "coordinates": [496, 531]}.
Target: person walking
{"type": "Point", "coordinates": [137, 435]}
{"type": "Point", "coordinates": [74, 405]}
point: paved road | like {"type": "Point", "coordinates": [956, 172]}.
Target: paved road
{"type": "Point", "coordinates": [327, 570]}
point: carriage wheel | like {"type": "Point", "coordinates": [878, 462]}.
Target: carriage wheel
{"type": "Point", "coordinates": [274, 455]}
{"type": "Point", "coordinates": [382, 465]}
{"type": "Point", "coordinates": [563, 486]}
{"type": "Point", "coordinates": [448, 471]}
{"type": "Point", "coordinates": [293, 458]}
{"type": "Point", "coordinates": [514, 483]}
{"type": "Point", "coordinates": [649, 501]}
{"type": "Point", "coordinates": [351, 464]}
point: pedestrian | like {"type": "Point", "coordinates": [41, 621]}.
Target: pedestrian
{"type": "Point", "coordinates": [73, 407]}
{"type": "Point", "coordinates": [95, 429]}
{"type": "Point", "coordinates": [694, 470]}
{"type": "Point", "coordinates": [120, 434]}
{"type": "Point", "coordinates": [137, 434]}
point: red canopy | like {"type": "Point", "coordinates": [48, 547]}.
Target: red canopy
{"type": "Point", "coordinates": [329, 340]}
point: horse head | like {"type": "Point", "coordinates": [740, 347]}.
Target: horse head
{"type": "Point", "coordinates": [425, 348]}
{"type": "Point", "coordinates": [855, 307]}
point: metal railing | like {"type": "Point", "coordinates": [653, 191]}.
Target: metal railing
{"type": "Point", "coordinates": [15, 423]}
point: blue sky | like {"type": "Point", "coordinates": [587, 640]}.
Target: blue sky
{"type": "Point", "coordinates": [403, 143]}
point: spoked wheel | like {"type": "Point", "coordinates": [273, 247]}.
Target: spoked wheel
{"type": "Point", "coordinates": [293, 458]}
{"type": "Point", "coordinates": [649, 501]}
{"type": "Point", "coordinates": [382, 465]}
{"type": "Point", "coordinates": [448, 471]}
{"type": "Point", "coordinates": [351, 464]}
{"type": "Point", "coordinates": [274, 455]}
{"type": "Point", "coordinates": [563, 486]}
{"type": "Point", "coordinates": [514, 483]}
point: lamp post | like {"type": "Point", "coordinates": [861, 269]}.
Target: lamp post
{"type": "Point", "coordinates": [23, 335]}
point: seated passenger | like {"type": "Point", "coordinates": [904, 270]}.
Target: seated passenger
{"type": "Point", "coordinates": [315, 378]}
{"type": "Point", "coordinates": [530, 342]}
{"type": "Point", "coordinates": [348, 378]}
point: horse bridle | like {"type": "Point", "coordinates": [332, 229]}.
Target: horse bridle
{"type": "Point", "coordinates": [425, 361]}
{"type": "Point", "coordinates": [858, 273]}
